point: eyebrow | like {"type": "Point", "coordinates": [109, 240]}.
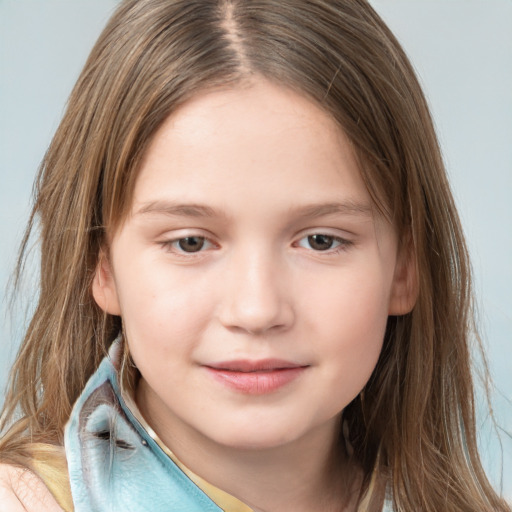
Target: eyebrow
{"type": "Point", "coordinates": [173, 209]}
{"type": "Point", "coordinates": [344, 208]}
{"type": "Point", "coordinates": [179, 209]}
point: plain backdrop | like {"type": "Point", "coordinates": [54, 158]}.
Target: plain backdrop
{"type": "Point", "coordinates": [462, 50]}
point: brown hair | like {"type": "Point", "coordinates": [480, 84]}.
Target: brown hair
{"type": "Point", "coordinates": [413, 427]}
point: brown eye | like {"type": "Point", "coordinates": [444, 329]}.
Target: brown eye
{"type": "Point", "coordinates": [191, 243]}
{"type": "Point", "coordinates": [321, 242]}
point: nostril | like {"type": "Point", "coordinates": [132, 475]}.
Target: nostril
{"type": "Point", "coordinates": [271, 317]}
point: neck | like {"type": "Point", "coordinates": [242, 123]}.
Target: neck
{"type": "Point", "coordinates": [302, 476]}
{"type": "Point", "coordinates": [308, 474]}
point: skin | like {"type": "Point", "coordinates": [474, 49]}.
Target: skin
{"type": "Point", "coordinates": [252, 174]}
{"type": "Point", "coordinates": [23, 491]}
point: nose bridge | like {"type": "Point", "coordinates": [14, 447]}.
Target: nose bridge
{"type": "Point", "coordinates": [255, 298]}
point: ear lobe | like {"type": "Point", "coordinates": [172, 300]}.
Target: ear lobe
{"type": "Point", "coordinates": [104, 288]}
{"type": "Point", "coordinates": [405, 287]}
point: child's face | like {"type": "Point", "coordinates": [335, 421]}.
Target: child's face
{"type": "Point", "coordinates": [253, 280]}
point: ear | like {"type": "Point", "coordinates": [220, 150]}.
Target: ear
{"type": "Point", "coordinates": [405, 287]}
{"type": "Point", "coordinates": [104, 288]}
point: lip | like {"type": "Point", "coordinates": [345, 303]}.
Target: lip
{"type": "Point", "coordinates": [256, 377]}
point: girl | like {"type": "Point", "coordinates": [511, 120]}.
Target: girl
{"type": "Point", "coordinates": [254, 286]}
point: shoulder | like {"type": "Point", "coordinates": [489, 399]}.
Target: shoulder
{"type": "Point", "coordinates": [23, 491]}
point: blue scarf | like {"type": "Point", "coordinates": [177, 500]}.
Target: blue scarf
{"type": "Point", "coordinates": [114, 465]}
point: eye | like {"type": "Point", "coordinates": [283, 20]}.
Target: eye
{"type": "Point", "coordinates": [322, 242]}
{"type": "Point", "coordinates": [189, 244]}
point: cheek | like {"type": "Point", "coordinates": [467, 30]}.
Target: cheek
{"type": "Point", "coordinates": [354, 304]}
{"type": "Point", "coordinates": [350, 326]}
{"type": "Point", "coordinates": [161, 307]}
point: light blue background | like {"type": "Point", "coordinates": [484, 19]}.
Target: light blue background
{"type": "Point", "coordinates": [462, 50]}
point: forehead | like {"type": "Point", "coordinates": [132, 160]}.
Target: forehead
{"type": "Point", "coordinates": [256, 143]}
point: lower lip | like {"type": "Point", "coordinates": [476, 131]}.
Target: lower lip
{"type": "Point", "coordinates": [259, 382]}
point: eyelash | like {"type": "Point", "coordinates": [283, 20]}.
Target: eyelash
{"type": "Point", "coordinates": [173, 245]}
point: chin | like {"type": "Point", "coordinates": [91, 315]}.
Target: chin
{"type": "Point", "coordinates": [258, 437]}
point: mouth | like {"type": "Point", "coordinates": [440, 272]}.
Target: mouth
{"type": "Point", "coordinates": [256, 377]}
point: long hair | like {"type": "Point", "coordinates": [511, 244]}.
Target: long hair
{"type": "Point", "coordinates": [412, 430]}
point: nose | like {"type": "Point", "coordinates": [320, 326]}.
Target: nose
{"type": "Point", "coordinates": [256, 296]}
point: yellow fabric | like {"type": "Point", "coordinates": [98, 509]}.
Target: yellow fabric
{"type": "Point", "coordinates": [49, 463]}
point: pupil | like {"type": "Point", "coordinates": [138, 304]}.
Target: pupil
{"type": "Point", "coordinates": [320, 242]}
{"type": "Point", "coordinates": [191, 243]}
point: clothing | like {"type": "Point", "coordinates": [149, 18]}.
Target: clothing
{"type": "Point", "coordinates": [115, 464]}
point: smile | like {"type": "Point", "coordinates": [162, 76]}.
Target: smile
{"type": "Point", "coordinates": [256, 377]}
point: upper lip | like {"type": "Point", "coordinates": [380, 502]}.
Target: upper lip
{"type": "Point", "coordinates": [246, 365]}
